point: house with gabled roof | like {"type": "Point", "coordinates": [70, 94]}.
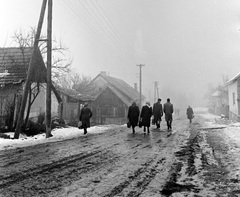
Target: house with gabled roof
{"type": "Point", "coordinates": [14, 63]}
{"type": "Point", "coordinates": [234, 97]}
{"type": "Point", "coordinates": [113, 96]}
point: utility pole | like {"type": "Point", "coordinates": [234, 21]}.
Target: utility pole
{"type": "Point", "coordinates": [156, 94]}
{"type": "Point", "coordinates": [30, 72]}
{"type": "Point", "coordinates": [140, 85]}
{"type": "Point", "coordinates": [49, 71]}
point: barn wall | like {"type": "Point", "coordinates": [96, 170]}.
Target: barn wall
{"type": "Point", "coordinates": [108, 109]}
{"type": "Point", "coordinates": [8, 101]}
{"type": "Point", "coordinates": [39, 105]}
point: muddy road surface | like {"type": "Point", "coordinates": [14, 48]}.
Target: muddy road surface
{"type": "Point", "coordinates": [189, 162]}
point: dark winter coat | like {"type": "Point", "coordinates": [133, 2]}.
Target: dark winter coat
{"type": "Point", "coordinates": [189, 113]}
{"type": "Point", "coordinates": [85, 116]}
{"type": "Point", "coordinates": [146, 114]}
{"type": "Point", "coordinates": [168, 110]}
{"type": "Point", "coordinates": [157, 112]}
{"type": "Point", "coordinates": [133, 115]}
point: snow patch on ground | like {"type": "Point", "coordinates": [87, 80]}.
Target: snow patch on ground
{"type": "Point", "coordinates": [58, 135]}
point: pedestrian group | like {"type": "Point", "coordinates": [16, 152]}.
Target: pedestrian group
{"type": "Point", "coordinates": [141, 119]}
{"type": "Point", "coordinates": [147, 112]}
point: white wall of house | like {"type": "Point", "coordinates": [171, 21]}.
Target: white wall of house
{"type": "Point", "coordinates": [39, 105]}
{"type": "Point", "coordinates": [233, 96]}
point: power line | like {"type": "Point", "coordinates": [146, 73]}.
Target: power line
{"type": "Point", "coordinates": [83, 20]}
{"type": "Point", "coordinates": [113, 27]}
{"type": "Point", "coordinates": [80, 18]}
{"type": "Point", "coordinates": [105, 29]}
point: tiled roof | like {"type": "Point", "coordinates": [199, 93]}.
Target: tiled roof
{"type": "Point", "coordinates": [74, 94]}
{"type": "Point", "coordinates": [14, 62]}
{"type": "Point", "coordinates": [124, 91]}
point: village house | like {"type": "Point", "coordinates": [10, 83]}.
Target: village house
{"type": "Point", "coordinates": [71, 105]}
{"type": "Point", "coordinates": [14, 63]}
{"type": "Point", "coordinates": [113, 97]}
{"type": "Point", "coordinates": [234, 97]}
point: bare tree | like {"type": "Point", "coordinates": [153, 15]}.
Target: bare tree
{"type": "Point", "coordinates": [81, 83]}
{"type": "Point", "coordinates": [60, 64]}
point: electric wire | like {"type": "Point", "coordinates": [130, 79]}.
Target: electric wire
{"type": "Point", "coordinates": [110, 24]}
{"type": "Point", "coordinates": [83, 20]}
{"type": "Point", "coordinates": [101, 25]}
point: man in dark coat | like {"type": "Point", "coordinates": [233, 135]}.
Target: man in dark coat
{"type": "Point", "coordinates": [145, 116]}
{"type": "Point", "coordinates": [157, 113]}
{"type": "Point", "coordinates": [168, 110]}
{"type": "Point", "coordinates": [190, 113]}
{"type": "Point", "coordinates": [85, 116]}
{"type": "Point", "coordinates": [133, 116]}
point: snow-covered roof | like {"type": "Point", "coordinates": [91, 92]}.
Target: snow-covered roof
{"type": "Point", "coordinates": [233, 79]}
{"type": "Point", "coordinates": [216, 94]}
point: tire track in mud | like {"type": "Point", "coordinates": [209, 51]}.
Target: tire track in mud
{"type": "Point", "coordinates": [138, 181]}
{"type": "Point", "coordinates": [53, 176]}
{"type": "Point", "coordinates": [210, 168]}
{"type": "Point", "coordinates": [186, 155]}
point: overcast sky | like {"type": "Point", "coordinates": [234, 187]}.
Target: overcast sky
{"type": "Point", "coordinates": [185, 45]}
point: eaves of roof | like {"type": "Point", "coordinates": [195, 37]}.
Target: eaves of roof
{"type": "Point", "coordinates": [233, 79]}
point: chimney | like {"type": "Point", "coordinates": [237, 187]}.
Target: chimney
{"type": "Point", "coordinates": [103, 73]}
{"type": "Point", "coordinates": [135, 86]}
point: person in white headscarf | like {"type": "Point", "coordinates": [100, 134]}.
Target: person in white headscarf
{"type": "Point", "coordinates": [145, 116]}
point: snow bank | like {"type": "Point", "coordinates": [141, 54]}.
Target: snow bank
{"type": "Point", "coordinates": [58, 135]}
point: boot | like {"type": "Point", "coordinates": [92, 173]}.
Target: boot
{"type": "Point", "coordinates": [133, 130]}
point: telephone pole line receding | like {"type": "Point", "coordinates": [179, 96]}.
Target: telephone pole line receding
{"type": "Point", "coordinates": [156, 93]}
{"type": "Point", "coordinates": [140, 85]}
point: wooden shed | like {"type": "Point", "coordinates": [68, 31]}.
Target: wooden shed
{"type": "Point", "coordinates": [112, 99]}
{"type": "Point", "coordinates": [71, 104]}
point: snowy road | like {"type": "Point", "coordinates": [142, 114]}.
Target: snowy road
{"type": "Point", "coordinates": [190, 162]}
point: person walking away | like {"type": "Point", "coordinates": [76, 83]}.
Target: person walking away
{"type": "Point", "coordinates": [133, 115]}
{"type": "Point", "coordinates": [85, 116]}
{"type": "Point", "coordinates": [146, 114]}
{"type": "Point", "coordinates": [168, 110]}
{"type": "Point", "coordinates": [157, 113]}
{"type": "Point", "coordinates": [190, 113]}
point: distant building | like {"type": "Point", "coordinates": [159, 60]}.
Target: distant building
{"type": "Point", "coordinates": [220, 102]}
{"type": "Point", "coordinates": [113, 96]}
{"type": "Point", "coordinates": [234, 97]}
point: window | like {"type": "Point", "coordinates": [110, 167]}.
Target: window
{"type": "Point", "coordinates": [233, 98]}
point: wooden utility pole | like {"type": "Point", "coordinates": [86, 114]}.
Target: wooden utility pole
{"type": "Point", "coordinates": [49, 71]}
{"type": "Point", "coordinates": [140, 85]}
{"type": "Point", "coordinates": [30, 72]}
{"type": "Point", "coordinates": [156, 94]}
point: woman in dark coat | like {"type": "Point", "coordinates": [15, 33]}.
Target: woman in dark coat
{"type": "Point", "coordinates": [133, 115]}
{"type": "Point", "coordinates": [145, 116]}
{"type": "Point", "coordinates": [85, 116]}
{"type": "Point", "coordinates": [190, 113]}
